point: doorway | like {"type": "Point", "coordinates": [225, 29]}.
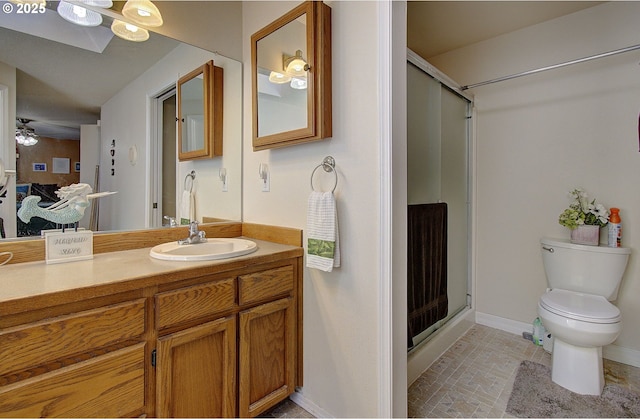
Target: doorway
{"type": "Point", "coordinates": [163, 152]}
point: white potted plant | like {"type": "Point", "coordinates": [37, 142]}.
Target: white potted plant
{"type": "Point", "coordinates": [584, 218]}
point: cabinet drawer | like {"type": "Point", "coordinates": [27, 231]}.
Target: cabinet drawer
{"type": "Point", "coordinates": [265, 284]}
{"type": "Point", "coordinates": [35, 344]}
{"type": "Point", "coordinates": [107, 386]}
{"type": "Point", "coordinates": [184, 304]}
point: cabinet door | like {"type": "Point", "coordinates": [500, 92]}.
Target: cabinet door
{"type": "Point", "coordinates": [196, 375]}
{"type": "Point", "coordinates": [267, 356]}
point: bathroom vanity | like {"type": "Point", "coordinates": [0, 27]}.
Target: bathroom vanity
{"type": "Point", "coordinates": [127, 335]}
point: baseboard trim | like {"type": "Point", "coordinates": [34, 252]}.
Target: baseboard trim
{"type": "Point", "coordinates": [622, 355]}
{"type": "Point", "coordinates": [612, 352]}
{"type": "Point", "coordinates": [299, 399]}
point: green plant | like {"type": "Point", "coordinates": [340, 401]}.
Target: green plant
{"type": "Point", "coordinates": [583, 212]}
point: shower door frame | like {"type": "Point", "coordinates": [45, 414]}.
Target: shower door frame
{"type": "Point", "coordinates": [452, 86]}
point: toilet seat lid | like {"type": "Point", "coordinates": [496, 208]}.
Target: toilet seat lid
{"type": "Point", "coordinates": [579, 306]}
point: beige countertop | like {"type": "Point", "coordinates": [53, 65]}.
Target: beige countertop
{"type": "Point", "coordinates": [114, 272]}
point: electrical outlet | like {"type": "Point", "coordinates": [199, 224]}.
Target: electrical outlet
{"type": "Point", "coordinates": [266, 182]}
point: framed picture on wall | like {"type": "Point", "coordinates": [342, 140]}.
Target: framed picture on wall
{"type": "Point", "coordinates": [60, 165]}
{"type": "Point", "coordinates": [39, 167]}
{"type": "Point", "coordinates": [76, 166]}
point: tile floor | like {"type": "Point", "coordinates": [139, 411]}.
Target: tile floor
{"type": "Point", "coordinates": [474, 377]}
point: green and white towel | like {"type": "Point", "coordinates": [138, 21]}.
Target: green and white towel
{"type": "Point", "coordinates": [323, 249]}
{"type": "Point", "coordinates": [187, 207]}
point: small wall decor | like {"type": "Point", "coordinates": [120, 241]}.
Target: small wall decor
{"type": "Point", "coordinates": [112, 152]}
{"type": "Point", "coordinates": [39, 167]}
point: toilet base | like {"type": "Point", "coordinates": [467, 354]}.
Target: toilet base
{"type": "Point", "coordinates": [577, 368]}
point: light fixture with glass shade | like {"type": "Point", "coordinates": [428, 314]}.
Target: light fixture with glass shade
{"type": "Point", "coordinates": [129, 31]}
{"type": "Point", "coordinates": [295, 66]}
{"type": "Point", "coordinates": [25, 135]}
{"type": "Point", "coordinates": [142, 12]}
{"type": "Point", "coordinates": [78, 14]}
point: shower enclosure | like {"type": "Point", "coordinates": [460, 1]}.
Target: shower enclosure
{"type": "Point", "coordinates": [438, 129]}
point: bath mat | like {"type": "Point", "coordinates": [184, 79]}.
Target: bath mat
{"type": "Point", "coordinates": [534, 395]}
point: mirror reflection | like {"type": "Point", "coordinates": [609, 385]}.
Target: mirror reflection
{"type": "Point", "coordinates": [192, 113]}
{"type": "Point", "coordinates": [282, 79]}
{"type": "Point", "coordinates": [116, 109]}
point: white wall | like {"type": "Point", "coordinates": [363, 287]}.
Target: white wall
{"type": "Point", "coordinates": [342, 309]}
{"type": "Point", "coordinates": [129, 208]}
{"type": "Point", "coordinates": [540, 136]}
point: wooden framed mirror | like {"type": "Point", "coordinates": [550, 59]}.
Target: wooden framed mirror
{"type": "Point", "coordinates": [291, 78]}
{"type": "Point", "coordinates": [199, 97]}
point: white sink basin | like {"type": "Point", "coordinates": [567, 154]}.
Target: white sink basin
{"type": "Point", "coordinates": [210, 250]}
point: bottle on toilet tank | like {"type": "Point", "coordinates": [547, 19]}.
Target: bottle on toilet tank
{"type": "Point", "coordinates": [615, 228]}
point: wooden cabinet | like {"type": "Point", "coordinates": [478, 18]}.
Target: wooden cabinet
{"type": "Point", "coordinates": [219, 344]}
{"type": "Point", "coordinates": [267, 356]}
{"type": "Point", "coordinates": [196, 374]}
{"type": "Point", "coordinates": [84, 363]}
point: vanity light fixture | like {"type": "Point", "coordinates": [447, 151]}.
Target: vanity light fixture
{"type": "Point", "coordinates": [279, 78]}
{"type": "Point", "coordinates": [142, 12]}
{"type": "Point", "coordinates": [128, 31]}
{"type": "Point", "coordinates": [78, 14]}
{"type": "Point", "coordinates": [295, 66]}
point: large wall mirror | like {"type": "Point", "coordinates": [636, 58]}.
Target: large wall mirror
{"type": "Point", "coordinates": [117, 107]}
{"type": "Point", "coordinates": [200, 113]}
{"type": "Point", "coordinates": [291, 78]}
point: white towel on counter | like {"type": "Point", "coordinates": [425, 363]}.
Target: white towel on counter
{"type": "Point", "coordinates": [187, 208]}
{"type": "Point", "coordinates": [323, 244]}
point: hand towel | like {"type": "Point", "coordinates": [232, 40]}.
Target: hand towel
{"type": "Point", "coordinates": [187, 208]}
{"type": "Point", "coordinates": [323, 248]}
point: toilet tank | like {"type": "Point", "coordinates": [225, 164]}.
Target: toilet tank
{"type": "Point", "coordinates": [590, 269]}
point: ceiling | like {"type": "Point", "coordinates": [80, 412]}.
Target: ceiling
{"type": "Point", "coordinates": [59, 100]}
{"type": "Point", "coordinates": [435, 27]}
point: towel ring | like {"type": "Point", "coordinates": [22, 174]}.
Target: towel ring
{"type": "Point", "coordinates": [191, 175]}
{"type": "Point", "coordinates": [329, 165]}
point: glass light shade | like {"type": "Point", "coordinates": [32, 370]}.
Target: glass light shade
{"type": "Point", "coordinates": [279, 78]}
{"type": "Point", "coordinates": [128, 31]}
{"type": "Point", "coordinates": [142, 12]}
{"type": "Point", "coordinates": [79, 15]}
{"type": "Point", "coordinates": [30, 141]}
{"type": "Point", "coordinates": [105, 4]}
{"type": "Point", "coordinates": [299, 83]}
{"type": "Point", "coordinates": [296, 66]}
{"type": "Point", "coordinates": [32, 2]}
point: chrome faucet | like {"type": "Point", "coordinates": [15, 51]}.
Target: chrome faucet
{"type": "Point", "coordinates": [172, 222]}
{"type": "Point", "coordinates": [195, 235]}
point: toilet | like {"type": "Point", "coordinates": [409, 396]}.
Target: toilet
{"type": "Point", "coordinates": [577, 311]}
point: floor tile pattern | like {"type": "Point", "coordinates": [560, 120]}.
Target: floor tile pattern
{"type": "Point", "coordinates": [474, 378]}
